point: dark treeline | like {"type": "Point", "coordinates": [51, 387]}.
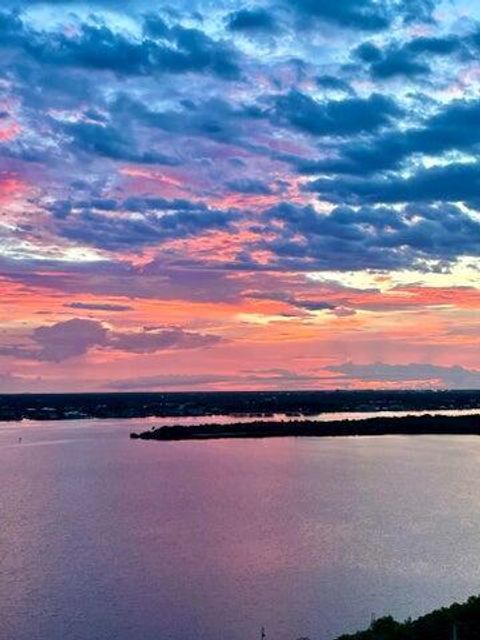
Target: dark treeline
{"type": "Point", "coordinates": [410, 425]}
{"type": "Point", "coordinates": [136, 405]}
{"type": "Point", "coordinates": [457, 622]}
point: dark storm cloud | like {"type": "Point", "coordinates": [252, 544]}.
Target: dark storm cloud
{"type": "Point", "coordinates": [336, 117]}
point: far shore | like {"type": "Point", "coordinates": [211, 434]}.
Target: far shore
{"type": "Point", "coordinates": [410, 425]}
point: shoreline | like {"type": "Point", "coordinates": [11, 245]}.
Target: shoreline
{"type": "Point", "coordinates": [202, 404]}
{"type": "Point", "coordinates": [429, 424]}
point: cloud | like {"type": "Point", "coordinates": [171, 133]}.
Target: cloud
{"type": "Point", "coordinates": [343, 312]}
{"type": "Point", "coordinates": [452, 127]}
{"type": "Point", "coordinates": [336, 117]}
{"type": "Point", "coordinates": [274, 378]}
{"type": "Point", "coordinates": [364, 15]}
{"type": "Point", "coordinates": [370, 237]}
{"type": "Point", "coordinates": [408, 59]}
{"type": "Point", "coordinates": [111, 142]}
{"type": "Point", "coordinates": [97, 47]}
{"type": "Point", "coordinates": [139, 221]}
{"type": "Point", "coordinates": [75, 337]}
{"type": "Point", "coordinates": [172, 382]}
{"type": "Point", "coordinates": [68, 339]}
{"type": "Point", "coordinates": [14, 382]}
{"type": "Point", "coordinates": [97, 306]}
{"type": "Point", "coordinates": [248, 185]}
{"type": "Point", "coordinates": [157, 279]}
{"type": "Point", "coordinates": [213, 118]}
{"type": "Point", "coordinates": [171, 159]}
{"type": "Point", "coordinates": [454, 182]}
{"type": "Point", "coordinates": [391, 62]}
{"type": "Point", "coordinates": [252, 20]}
{"type": "Point", "coordinates": [334, 84]}
{"type": "Point", "coordinates": [152, 341]}
{"type": "Point", "coordinates": [304, 304]}
{"type": "Point", "coordinates": [452, 377]}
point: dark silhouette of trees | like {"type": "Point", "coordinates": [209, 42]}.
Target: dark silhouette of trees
{"type": "Point", "coordinates": [457, 622]}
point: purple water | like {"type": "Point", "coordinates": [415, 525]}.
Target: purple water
{"type": "Point", "coordinates": [104, 538]}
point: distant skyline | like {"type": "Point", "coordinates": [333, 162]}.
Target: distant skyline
{"type": "Point", "coordinates": [215, 195]}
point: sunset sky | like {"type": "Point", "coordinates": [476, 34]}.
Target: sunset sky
{"type": "Point", "coordinates": [209, 195]}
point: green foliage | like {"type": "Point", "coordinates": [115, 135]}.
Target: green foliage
{"type": "Point", "coordinates": [457, 622]}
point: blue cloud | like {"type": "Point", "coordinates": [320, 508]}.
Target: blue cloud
{"type": "Point", "coordinates": [111, 142]}
{"type": "Point", "coordinates": [97, 227]}
{"type": "Point", "coordinates": [336, 117]}
{"type": "Point", "coordinates": [365, 15]}
{"type": "Point", "coordinates": [369, 237]}
{"type": "Point", "coordinates": [176, 49]}
{"type": "Point", "coordinates": [452, 128]}
{"type": "Point", "coordinates": [455, 182]}
{"type": "Point", "coordinates": [406, 59]}
{"type": "Point", "coordinates": [251, 20]}
{"type": "Point", "coordinates": [334, 84]}
{"type": "Point", "coordinates": [248, 185]}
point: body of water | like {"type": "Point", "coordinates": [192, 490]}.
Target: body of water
{"type": "Point", "coordinates": [104, 538]}
{"type": "Point", "coordinates": [143, 424]}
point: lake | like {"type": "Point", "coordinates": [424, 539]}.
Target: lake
{"type": "Point", "coordinates": [104, 538]}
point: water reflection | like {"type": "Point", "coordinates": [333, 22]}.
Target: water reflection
{"type": "Point", "coordinates": [153, 421]}
{"type": "Point", "coordinates": [107, 538]}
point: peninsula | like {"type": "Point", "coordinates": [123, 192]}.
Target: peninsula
{"type": "Point", "coordinates": [409, 425]}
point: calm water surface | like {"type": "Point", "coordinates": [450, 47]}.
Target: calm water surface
{"type": "Point", "coordinates": [104, 538]}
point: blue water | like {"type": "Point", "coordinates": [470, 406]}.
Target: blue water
{"type": "Point", "coordinates": [104, 538]}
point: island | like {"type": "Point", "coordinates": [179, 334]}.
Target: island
{"type": "Point", "coordinates": [457, 622]}
{"type": "Point", "coordinates": [408, 425]}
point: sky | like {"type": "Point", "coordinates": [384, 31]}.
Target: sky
{"type": "Point", "coordinates": [206, 194]}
